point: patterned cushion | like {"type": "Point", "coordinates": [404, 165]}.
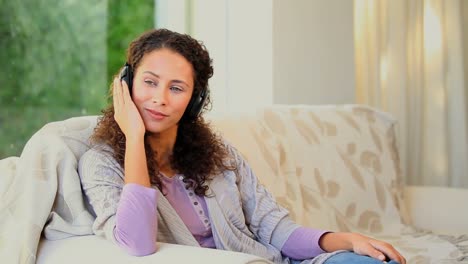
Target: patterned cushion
{"type": "Point", "coordinates": [335, 168]}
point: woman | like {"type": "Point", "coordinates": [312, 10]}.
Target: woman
{"type": "Point", "coordinates": [158, 173]}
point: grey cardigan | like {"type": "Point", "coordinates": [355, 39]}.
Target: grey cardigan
{"type": "Point", "coordinates": [244, 215]}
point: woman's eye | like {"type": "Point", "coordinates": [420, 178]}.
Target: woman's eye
{"type": "Point", "coordinates": [150, 82]}
{"type": "Point", "coordinates": [176, 89]}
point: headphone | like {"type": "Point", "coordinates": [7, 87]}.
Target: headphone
{"type": "Point", "coordinates": [196, 102]}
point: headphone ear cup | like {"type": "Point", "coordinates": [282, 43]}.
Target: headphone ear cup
{"type": "Point", "coordinates": [196, 104]}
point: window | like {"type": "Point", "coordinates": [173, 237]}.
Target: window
{"type": "Point", "coordinates": [59, 58]}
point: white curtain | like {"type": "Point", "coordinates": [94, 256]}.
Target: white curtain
{"type": "Point", "coordinates": [409, 62]}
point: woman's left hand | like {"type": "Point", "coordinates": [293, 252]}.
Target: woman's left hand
{"type": "Point", "coordinates": [381, 250]}
{"type": "Point", "coordinates": [361, 245]}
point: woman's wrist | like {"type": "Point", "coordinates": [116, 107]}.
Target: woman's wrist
{"type": "Point", "coordinates": [136, 170]}
{"type": "Point", "coordinates": [334, 241]}
{"type": "Point", "coordinates": [134, 140]}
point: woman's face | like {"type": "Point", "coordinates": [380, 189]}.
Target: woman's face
{"type": "Point", "coordinates": [162, 87]}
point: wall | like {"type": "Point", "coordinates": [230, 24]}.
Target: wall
{"type": "Point", "coordinates": [238, 35]}
{"type": "Point", "coordinates": [313, 58]}
{"type": "Point", "coordinates": [268, 52]}
{"type": "Point", "coordinates": [464, 17]}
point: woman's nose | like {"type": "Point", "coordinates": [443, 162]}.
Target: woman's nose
{"type": "Point", "coordinates": [160, 95]}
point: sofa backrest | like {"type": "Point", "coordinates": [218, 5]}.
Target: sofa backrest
{"type": "Point", "coordinates": [333, 167]}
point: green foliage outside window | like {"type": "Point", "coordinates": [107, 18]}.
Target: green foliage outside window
{"type": "Point", "coordinates": [58, 58]}
{"type": "Point", "coordinates": [126, 21]}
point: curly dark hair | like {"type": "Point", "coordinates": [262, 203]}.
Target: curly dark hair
{"type": "Point", "coordinates": [198, 152]}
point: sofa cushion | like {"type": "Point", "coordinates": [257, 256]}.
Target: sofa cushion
{"type": "Point", "coordinates": [333, 167]}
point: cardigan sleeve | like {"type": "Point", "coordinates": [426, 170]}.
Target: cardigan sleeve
{"type": "Point", "coordinates": [102, 183]}
{"type": "Point", "coordinates": [125, 214]}
{"type": "Point", "coordinates": [266, 219]}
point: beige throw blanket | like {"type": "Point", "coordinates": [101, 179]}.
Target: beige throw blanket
{"type": "Point", "coordinates": [41, 188]}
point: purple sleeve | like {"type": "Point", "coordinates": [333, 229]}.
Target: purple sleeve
{"type": "Point", "coordinates": [303, 243]}
{"type": "Point", "coordinates": [136, 221]}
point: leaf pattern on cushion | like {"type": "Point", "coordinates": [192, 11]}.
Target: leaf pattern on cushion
{"type": "Point", "coordinates": [354, 170]}
{"type": "Point", "coordinates": [380, 193]}
{"type": "Point", "coordinates": [317, 121]}
{"type": "Point", "coordinates": [371, 161]}
{"type": "Point", "coordinates": [376, 139]}
{"type": "Point", "coordinates": [351, 210]}
{"type": "Point", "coordinates": [285, 202]}
{"type": "Point", "coordinates": [349, 120]}
{"type": "Point", "coordinates": [333, 189]}
{"type": "Point", "coordinates": [309, 199]}
{"type": "Point", "coordinates": [269, 158]}
{"type": "Point", "coordinates": [330, 129]}
{"type": "Point", "coordinates": [341, 223]}
{"type": "Point", "coordinates": [320, 182]}
{"type": "Point", "coordinates": [370, 220]}
{"type": "Point", "coordinates": [274, 122]}
{"type": "Point", "coordinates": [351, 149]}
{"type": "Point", "coordinates": [294, 112]}
{"type": "Point", "coordinates": [264, 130]}
{"type": "Point", "coordinates": [306, 132]}
{"type": "Point", "coordinates": [290, 192]}
{"type": "Point", "coordinates": [282, 156]}
{"type": "Point", "coordinates": [299, 171]}
{"type": "Point", "coordinates": [392, 148]}
{"type": "Point", "coordinates": [366, 112]}
{"type": "Point", "coordinates": [397, 182]}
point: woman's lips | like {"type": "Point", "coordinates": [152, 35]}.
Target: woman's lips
{"type": "Point", "coordinates": [156, 114]}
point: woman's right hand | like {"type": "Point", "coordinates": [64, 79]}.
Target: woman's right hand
{"type": "Point", "coordinates": [125, 111]}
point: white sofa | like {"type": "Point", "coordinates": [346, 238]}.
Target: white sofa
{"type": "Point", "coordinates": [333, 167]}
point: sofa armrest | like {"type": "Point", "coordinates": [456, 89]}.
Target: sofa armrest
{"type": "Point", "coordinates": [93, 249]}
{"type": "Point", "coordinates": [439, 209]}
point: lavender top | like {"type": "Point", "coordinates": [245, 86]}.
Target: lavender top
{"type": "Point", "coordinates": [136, 218]}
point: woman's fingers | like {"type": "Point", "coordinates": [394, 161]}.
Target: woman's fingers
{"type": "Point", "coordinates": [372, 252]}
{"type": "Point", "coordinates": [375, 248]}
{"type": "Point", "coordinates": [121, 93]}
{"type": "Point", "coordinates": [117, 95]}
{"type": "Point", "coordinates": [388, 250]}
{"type": "Point", "coordinates": [125, 111]}
{"type": "Point", "coordinates": [126, 96]}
